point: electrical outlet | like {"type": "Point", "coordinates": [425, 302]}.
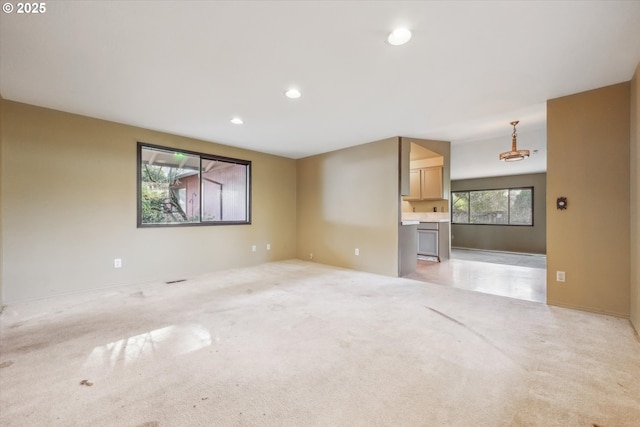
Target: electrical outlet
{"type": "Point", "coordinates": [268, 246]}
{"type": "Point", "coordinates": [254, 248]}
{"type": "Point", "coordinates": [311, 256]}
{"type": "Point", "coordinates": [357, 251]}
{"type": "Point", "coordinates": [117, 263]}
{"type": "Point", "coordinates": [561, 276]}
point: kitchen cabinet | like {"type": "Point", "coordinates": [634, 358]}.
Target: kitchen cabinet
{"type": "Point", "coordinates": [431, 183]}
{"type": "Point", "coordinates": [425, 184]}
{"type": "Point", "coordinates": [415, 177]}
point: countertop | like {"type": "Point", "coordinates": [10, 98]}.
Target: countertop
{"type": "Point", "coordinates": [425, 217]}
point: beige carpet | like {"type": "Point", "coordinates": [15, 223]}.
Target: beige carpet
{"type": "Point", "coordinates": [300, 344]}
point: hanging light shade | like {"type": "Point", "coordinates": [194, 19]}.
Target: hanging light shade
{"type": "Point", "coordinates": [514, 155]}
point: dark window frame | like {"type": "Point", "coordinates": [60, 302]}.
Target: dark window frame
{"type": "Point", "coordinates": [508, 189]}
{"type": "Point", "coordinates": [202, 156]}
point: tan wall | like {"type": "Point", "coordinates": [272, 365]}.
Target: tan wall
{"type": "Point", "coordinates": [1, 199]}
{"type": "Point", "coordinates": [349, 199]}
{"type": "Point", "coordinates": [505, 238]}
{"type": "Point", "coordinates": [588, 148]}
{"type": "Point", "coordinates": [70, 208]}
{"type": "Point", "coordinates": [635, 199]}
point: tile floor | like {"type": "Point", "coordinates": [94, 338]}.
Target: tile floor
{"type": "Point", "coordinates": [509, 275]}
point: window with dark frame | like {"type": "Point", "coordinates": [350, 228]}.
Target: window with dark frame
{"type": "Point", "coordinates": [505, 206]}
{"type": "Point", "coordinates": [179, 187]}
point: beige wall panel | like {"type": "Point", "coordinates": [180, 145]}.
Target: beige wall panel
{"type": "Point", "coordinates": [1, 200]}
{"type": "Point", "coordinates": [635, 199]}
{"type": "Point", "coordinates": [588, 152]}
{"type": "Point", "coordinates": [348, 199]}
{"type": "Point", "coordinates": [499, 237]}
{"type": "Point", "coordinates": [70, 208]}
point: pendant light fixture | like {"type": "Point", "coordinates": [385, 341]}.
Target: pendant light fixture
{"type": "Point", "coordinates": [514, 155]}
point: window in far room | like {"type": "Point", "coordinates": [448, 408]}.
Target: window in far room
{"type": "Point", "coordinates": [177, 187]}
{"type": "Point", "coordinates": [507, 206]}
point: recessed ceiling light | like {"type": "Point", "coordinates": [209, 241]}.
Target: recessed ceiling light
{"type": "Point", "coordinates": [399, 36]}
{"type": "Point", "coordinates": [237, 121]}
{"type": "Point", "coordinates": [293, 94]}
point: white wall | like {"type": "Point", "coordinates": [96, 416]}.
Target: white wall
{"type": "Point", "coordinates": [479, 158]}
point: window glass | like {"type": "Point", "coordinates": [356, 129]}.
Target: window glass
{"type": "Point", "coordinates": [521, 206]}
{"type": "Point", "coordinates": [177, 187]}
{"type": "Point", "coordinates": [489, 207]}
{"type": "Point", "coordinates": [506, 206]}
{"type": "Point", "coordinates": [460, 207]}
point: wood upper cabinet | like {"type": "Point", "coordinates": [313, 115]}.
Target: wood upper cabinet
{"type": "Point", "coordinates": [415, 184]}
{"type": "Point", "coordinates": [425, 184]}
{"type": "Point", "coordinates": [431, 184]}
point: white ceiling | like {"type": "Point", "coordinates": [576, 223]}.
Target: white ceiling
{"type": "Point", "coordinates": [188, 67]}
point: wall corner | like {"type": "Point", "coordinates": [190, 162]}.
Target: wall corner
{"type": "Point", "coordinates": [635, 200]}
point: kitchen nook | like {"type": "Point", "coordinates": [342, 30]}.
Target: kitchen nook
{"type": "Point", "coordinates": [425, 185]}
